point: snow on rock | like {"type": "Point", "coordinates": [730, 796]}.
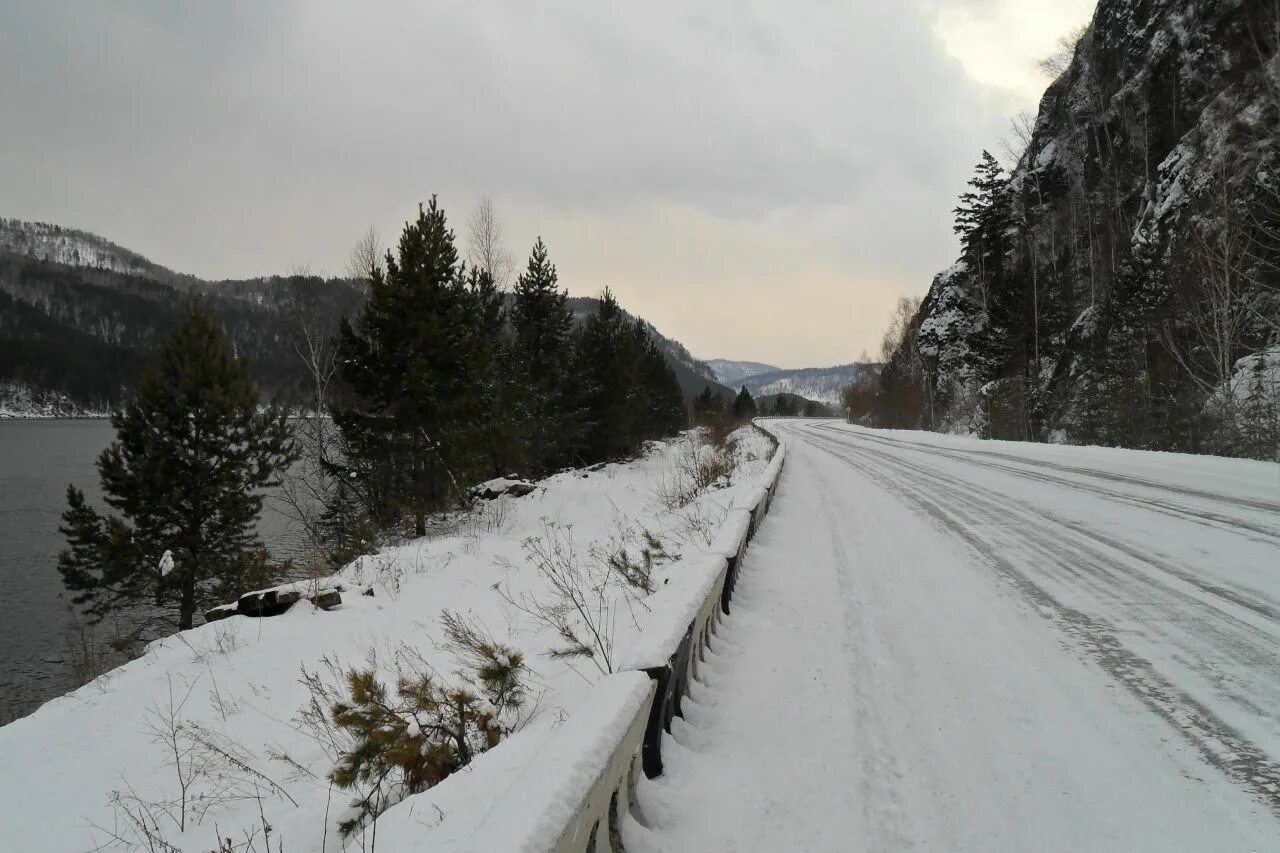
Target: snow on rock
{"type": "Point", "coordinates": [495, 488]}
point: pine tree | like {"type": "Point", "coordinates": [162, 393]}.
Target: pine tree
{"type": "Point", "coordinates": [606, 367]}
{"type": "Point", "coordinates": [542, 355]}
{"type": "Point", "coordinates": [186, 472]}
{"type": "Point", "coordinates": [982, 221]}
{"type": "Point", "coordinates": [708, 405]}
{"type": "Point", "coordinates": [407, 411]}
{"type": "Point", "coordinates": [497, 426]}
{"type": "Point", "coordinates": [744, 406]}
{"type": "Point", "coordinates": [657, 402]}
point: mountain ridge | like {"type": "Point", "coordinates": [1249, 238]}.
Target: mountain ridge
{"type": "Point", "coordinates": [80, 316]}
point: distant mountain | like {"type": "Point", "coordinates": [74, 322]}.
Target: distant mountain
{"type": "Point", "coordinates": [822, 384]}
{"type": "Point", "coordinates": [80, 317]}
{"type": "Point", "coordinates": [43, 241]}
{"type": "Point", "coordinates": [730, 372]}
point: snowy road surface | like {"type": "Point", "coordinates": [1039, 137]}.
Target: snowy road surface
{"type": "Point", "coordinates": [947, 644]}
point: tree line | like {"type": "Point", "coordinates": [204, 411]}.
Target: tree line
{"type": "Point", "coordinates": [89, 333]}
{"type": "Point", "coordinates": [442, 381]}
{"type": "Point", "coordinates": [438, 381]}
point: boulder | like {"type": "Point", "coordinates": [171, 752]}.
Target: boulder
{"type": "Point", "coordinates": [222, 611]}
{"type": "Point", "coordinates": [327, 599]}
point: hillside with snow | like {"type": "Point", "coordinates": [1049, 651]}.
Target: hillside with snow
{"type": "Point", "coordinates": [1121, 285]}
{"type": "Point", "coordinates": [731, 372]}
{"type": "Point", "coordinates": [822, 384]}
{"type": "Point", "coordinates": [44, 241]}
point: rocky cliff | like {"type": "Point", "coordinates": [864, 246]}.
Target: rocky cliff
{"type": "Point", "coordinates": [1120, 286]}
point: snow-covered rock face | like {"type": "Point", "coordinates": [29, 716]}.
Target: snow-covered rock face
{"type": "Point", "coordinates": [1167, 115]}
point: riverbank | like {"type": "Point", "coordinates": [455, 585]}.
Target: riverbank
{"type": "Point", "coordinates": [242, 683]}
{"type": "Point", "coordinates": [39, 457]}
{"type": "Point", "coordinates": [18, 401]}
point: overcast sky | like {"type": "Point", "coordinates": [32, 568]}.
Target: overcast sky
{"type": "Point", "coordinates": [761, 180]}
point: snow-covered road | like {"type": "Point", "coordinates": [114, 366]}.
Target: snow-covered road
{"type": "Point", "coordinates": [945, 644]}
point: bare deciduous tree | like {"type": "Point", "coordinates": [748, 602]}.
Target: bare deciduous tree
{"type": "Point", "coordinates": [1215, 296]}
{"type": "Point", "coordinates": [305, 488]}
{"type": "Point", "coordinates": [1059, 61]}
{"type": "Point", "coordinates": [485, 246]}
{"type": "Point", "coordinates": [366, 256]}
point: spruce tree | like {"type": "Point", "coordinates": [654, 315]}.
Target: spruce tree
{"type": "Point", "coordinates": [185, 474]}
{"type": "Point", "coordinates": [606, 367]}
{"type": "Point", "coordinates": [497, 427]}
{"type": "Point", "coordinates": [657, 401]}
{"type": "Point", "coordinates": [407, 365]}
{"type": "Point", "coordinates": [983, 220]}
{"type": "Point", "coordinates": [744, 406]}
{"type": "Point", "coordinates": [542, 355]}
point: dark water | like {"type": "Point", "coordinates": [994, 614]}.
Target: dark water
{"type": "Point", "coordinates": [38, 459]}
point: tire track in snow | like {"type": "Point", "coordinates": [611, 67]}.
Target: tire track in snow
{"type": "Point", "coordinates": [960, 509]}
{"type": "Point", "coordinates": [883, 812]}
{"type": "Point", "coordinates": [1217, 497]}
{"type": "Point", "coordinates": [1266, 534]}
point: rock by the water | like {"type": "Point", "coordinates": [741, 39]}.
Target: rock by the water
{"type": "Point", "coordinates": [500, 486]}
{"type": "Point", "coordinates": [327, 599]}
{"type": "Point", "coordinates": [222, 611]}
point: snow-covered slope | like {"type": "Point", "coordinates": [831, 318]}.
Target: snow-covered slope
{"type": "Point", "coordinates": [731, 372]}
{"type": "Point", "coordinates": [48, 242]}
{"type": "Point", "coordinates": [236, 683]}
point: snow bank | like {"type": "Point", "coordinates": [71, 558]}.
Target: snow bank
{"type": "Point", "coordinates": [674, 607]}
{"type": "Point", "coordinates": [560, 798]}
{"type": "Point", "coordinates": [239, 679]}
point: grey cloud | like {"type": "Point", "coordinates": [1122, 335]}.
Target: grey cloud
{"type": "Point", "coordinates": [232, 139]}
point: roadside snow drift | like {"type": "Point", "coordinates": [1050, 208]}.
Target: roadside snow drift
{"type": "Point", "coordinates": [232, 692]}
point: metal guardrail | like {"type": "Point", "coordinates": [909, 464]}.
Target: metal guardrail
{"type": "Point", "coordinates": [631, 717]}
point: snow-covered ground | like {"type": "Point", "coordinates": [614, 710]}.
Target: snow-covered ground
{"type": "Point", "coordinates": [941, 643]}
{"type": "Point", "coordinates": [237, 683]}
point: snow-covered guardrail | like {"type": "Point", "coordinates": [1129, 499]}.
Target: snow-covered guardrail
{"type": "Point", "coordinates": [574, 798]}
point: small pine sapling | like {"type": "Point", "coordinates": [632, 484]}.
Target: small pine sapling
{"type": "Point", "coordinates": [430, 730]}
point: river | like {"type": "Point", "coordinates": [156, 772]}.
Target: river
{"type": "Point", "coordinates": [38, 458]}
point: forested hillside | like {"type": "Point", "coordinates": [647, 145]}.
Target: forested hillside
{"type": "Point", "coordinates": [79, 317]}
{"type": "Point", "coordinates": [85, 333]}
{"type": "Point", "coordinates": [1120, 285]}
{"type": "Point", "coordinates": [822, 384]}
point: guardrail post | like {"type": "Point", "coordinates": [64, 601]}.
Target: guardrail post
{"type": "Point", "coordinates": [672, 683]}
